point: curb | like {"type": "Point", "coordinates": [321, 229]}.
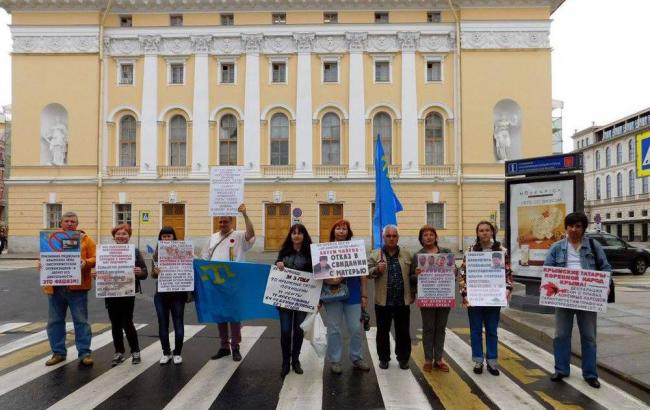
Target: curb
{"type": "Point", "coordinates": [521, 327]}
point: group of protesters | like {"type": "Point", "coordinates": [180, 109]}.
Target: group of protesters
{"type": "Point", "coordinates": [394, 271]}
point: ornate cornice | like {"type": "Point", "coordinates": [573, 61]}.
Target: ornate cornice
{"type": "Point", "coordinates": [58, 44]}
{"type": "Point", "coordinates": [504, 39]}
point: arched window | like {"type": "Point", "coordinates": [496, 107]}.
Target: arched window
{"type": "Point", "coordinates": [608, 187]}
{"type": "Point", "coordinates": [631, 178]}
{"type": "Point", "coordinates": [597, 165]}
{"type": "Point", "coordinates": [279, 139]}
{"type": "Point", "coordinates": [630, 150]}
{"type": "Point", "coordinates": [597, 188]}
{"type": "Point", "coordinates": [331, 139]}
{"type": "Point", "coordinates": [127, 141]}
{"type": "Point", "coordinates": [177, 141]}
{"type": "Point", "coordinates": [608, 157]}
{"type": "Point", "coordinates": [619, 153]}
{"type": "Point", "coordinates": [619, 185]}
{"type": "Point", "coordinates": [228, 140]}
{"type": "Point", "coordinates": [382, 126]}
{"type": "Point", "coordinates": [433, 140]}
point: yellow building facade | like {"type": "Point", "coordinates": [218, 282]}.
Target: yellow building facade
{"type": "Point", "coordinates": [121, 107]}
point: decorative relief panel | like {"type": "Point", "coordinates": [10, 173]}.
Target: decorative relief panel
{"type": "Point", "coordinates": [437, 43]}
{"type": "Point", "coordinates": [201, 44]}
{"type": "Point", "coordinates": [122, 46]}
{"type": "Point", "coordinates": [504, 39]}
{"type": "Point", "coordinates": [278, 45]}
{"type": "Point", "coordinates": [356, 41]}
{"type": "Point", "coordinates": [252, 42]}
{"type": "Point", "coordinates": [150, 44]}
{"type": "Point", "coordinates": [304, 41]}
{"type": "Point", "coordinates": [382, 43]}
{"type": "Point", "coordinates": [56, 44]}
{"type": "Point", "coordinates": [227, 45]}
{"type": "Point", "coordinates": [177, 46]}
{"type": "Point", "coordinates": [330, 44]}
{"type": "Point", "coordinates": [408, 40]}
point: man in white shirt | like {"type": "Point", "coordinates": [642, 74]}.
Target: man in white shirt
{"type": "Point", "coordinates": [230, 245]}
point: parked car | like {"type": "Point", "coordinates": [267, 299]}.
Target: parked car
{"type": "Point", "coordinates": [622, 255]}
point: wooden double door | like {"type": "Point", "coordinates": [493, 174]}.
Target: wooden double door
{"type": "Point", "coordinates": [277, 221]}
{"type": "Point", "coordinates": [329, 214]}
{"type": "Point", "coordinates": [174, 215]}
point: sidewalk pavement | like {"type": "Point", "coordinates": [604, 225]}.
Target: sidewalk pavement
{"type": "Point", "coordinates": [623, 333]}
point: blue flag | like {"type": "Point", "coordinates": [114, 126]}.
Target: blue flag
{"type": "Point", "coordinates": [387, 205]}
{"type": "Point", "coordinates": [150, 250]}
{"type": "Point", "coordinates": [231, 291]}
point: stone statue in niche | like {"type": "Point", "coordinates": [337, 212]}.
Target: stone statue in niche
{"type": "Point", "coordinates": [502, 140]}
{"type": "Point", "coordinates": [56, 139]}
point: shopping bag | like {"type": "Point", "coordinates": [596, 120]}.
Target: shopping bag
{"type": "Point", "coordinates": [316, 333]}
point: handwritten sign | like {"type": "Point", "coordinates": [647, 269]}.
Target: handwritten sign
{"type": "Point", "coordinates": [292, 289]}
{"type": "Point", "coordinates": [60, 253]}
{"type": "Point", "coordinates": [175, 261]}
{"type": "Point", "coordinates": [226, 190]}
{"type": "Point", "coordinates": [339, 259]}
{"type": "Point", "coordinates": [574, 289]}
{"type": "Point", "coordinates": [437, 280]}
{"type": "Point", "coordinates": [486, 279]}
{"type": "Point", "coordinates": [115, 277]}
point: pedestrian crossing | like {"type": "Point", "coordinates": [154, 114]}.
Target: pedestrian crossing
{"type": "Point", "coordinates": [523, 383]}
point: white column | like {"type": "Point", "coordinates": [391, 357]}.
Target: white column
{"type": "Point", "coordinates": [252, 44]}
{"type": "Point", "coordinates": [304, 43]}
{"type": "Point", "coordinates": [409, 41]}
{"type": "Point", "coordinates": [357, 106]}
{"type": "Point", "coordinates": [200, 108]}
{"type": "Point", "coordinates": [149, 124]}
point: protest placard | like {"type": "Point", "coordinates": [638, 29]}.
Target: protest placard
{"type": "Point", "coordinates": [339, 259]}
{"type": "Point", "coordinates": [486, 279]}
{"type": "Point", "coordinates": [437, 280]}
{"type": "Point", "coordinates": [114, 270]}
{"type": "Point", "coordinates": [226, 190]}
{"type": "Point", "coordinates": [292, 289]}
{"type": "Point", "coordinates": [60, 253]}
{"type": "Point", "coordinates": [175, 261]}
{"type": "Point", "coordinates": [574, 289]}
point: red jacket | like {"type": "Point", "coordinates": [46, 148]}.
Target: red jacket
{"type": "Point", "coordinates": [87, 254]}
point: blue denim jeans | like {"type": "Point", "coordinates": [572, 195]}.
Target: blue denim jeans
{"type": "Point", "coordinates": [174, 303]}
{"type": "Point", "coordinates": [335, 313]}
{"type": "Point", "coordinates": [291, 334]}
{"type": "Point", "coordinates": [58, 303]}
{"type": "Point", "coordinates": [480, 316]}
{"type": "Point", "coordinates": [562, 341]}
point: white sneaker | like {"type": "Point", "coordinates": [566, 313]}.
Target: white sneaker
{"type": "Point", "coordinates": [165, 359]}
{"type": "Point", "coordinates": [178, 359]}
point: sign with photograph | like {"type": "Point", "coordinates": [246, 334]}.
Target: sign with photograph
{"type": "Point", "coordinates": [486, 279]}
{"type": "Point", "coordinates": [60, 253]}
{"type": "Point", "coordinates": [339, 259]}
{"type": "Point", "coordinates": [437, 280]}
{"type": "Point", "coordinates": [176, 264]}
{"type": "Point", "coordinates": [114, 267]}
{"type": "Point", "coordinates": [226, 190]}
{"type": "Point", "coordinates": [574, 289]}
{"type": "Point", "coordinates": [292, 289]}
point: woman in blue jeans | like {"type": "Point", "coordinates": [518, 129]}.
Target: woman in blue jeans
{"type": "Point", "coordinates": [166, 303]}
{"type": "Point", "coordinates": [294, 254]}
{"type": "Point", "coordinates": [488, 316]}
{"type": "Point", "coordinates": [349, 309]}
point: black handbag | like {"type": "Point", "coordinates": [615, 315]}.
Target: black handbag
{"type": "Point", "coordinates": [611, 296]}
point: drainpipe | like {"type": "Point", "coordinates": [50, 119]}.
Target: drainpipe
{"type": "Point", "coordinates": [458, 145]}
{"type": "Point", "coordinates": [100, 121]}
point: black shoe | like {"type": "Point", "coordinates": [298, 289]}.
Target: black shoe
{"type": "Point", "coordinates": [493, 370]}
{"type": "Point", "coordinates": [593, 382]}
{"type": "Point", "coordinates": [296, 367]}
{"type": "Point", "coordinates": [478, 368]}
{"type": "Point", "coordinates": [383, 365]}
{"type": "Point", "coordinates": [236, 356]}
{"type": "Point", "coordinates": [285, 369]}
{"type": "Point", "coordinates": [223, 352]}
{"type": "Point", "coordinates": [404, 365]}
{"type": "Point", "coordinates": [557, 377]}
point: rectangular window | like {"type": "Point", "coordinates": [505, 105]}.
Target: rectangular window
{"type": "Point", "coordinates": [330, 72]}
{"type": "Point", "coordinates": [227, 19]}
{"type": "Point", "coordinates": [227, 73]}
{"type": "Point", "coordinates": [608, 216]}
{"type": "Point", "coordinates": [434, 71]}
{"type": "Point", "coordinates": [644, 212]}
{"type": "Point", "coordinates": [433, 17]}
{"type": "Point", "coordinates": [176, 20]}
{"type": "Point", "coordinates": [122, 214]}
{"type": "Point", "coordinates": [126, 21]}
{"type": "Point", "coordinates": [279, 72]}
{"type": "Point", "coordinates": [382, 71]}
{"type": "Point", "coordinates": [381, 17]}
{"type": "Point", "coordinates": [126, 74]}
{"type": "Point", "coordinates": [53, 215]}
{"type": "Point", "coordinates": [630, 214]}
{"type": "Point", "coordinates": [619, 214]}
{"type": "Point", "coordinates": [279, 18]}
{"type": "Point", "coordinates": [177, 73]}
{"type": "Point", "coordinates": [330, 18]}
{"type": "Point", "coordinates": [436, 215]}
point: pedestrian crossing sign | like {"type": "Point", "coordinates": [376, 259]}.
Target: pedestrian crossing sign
{"type": "Point", "coordinates": [643, 155]}
{"type": "Point", "coordinates": [145, 217]}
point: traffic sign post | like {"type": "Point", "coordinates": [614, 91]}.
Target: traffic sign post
{"type": "Point", "coordinates": [144, 217]}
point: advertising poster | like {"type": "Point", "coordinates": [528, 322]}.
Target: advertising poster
{"type": "Point", "coordinates": [537, 212]}
{"type": "Point", "coordinates": [114, 270]}
{"type": "Point", "coordinates": [574, 289]}
{"type": "Point", "coordinates": [339, 259]}
{"type": "Point", "coordinates": [437, 280]}
{"type": "Point", "coordinates": [176, 264]}
{"type": "Point", "coordinates": [226, 190]}
{"type": "Point", "coordinates": [60, 253]}
{"type": "Point", "coordinates": [486, 279]}
{"type": "Point", "coordinates": [292, 289]}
